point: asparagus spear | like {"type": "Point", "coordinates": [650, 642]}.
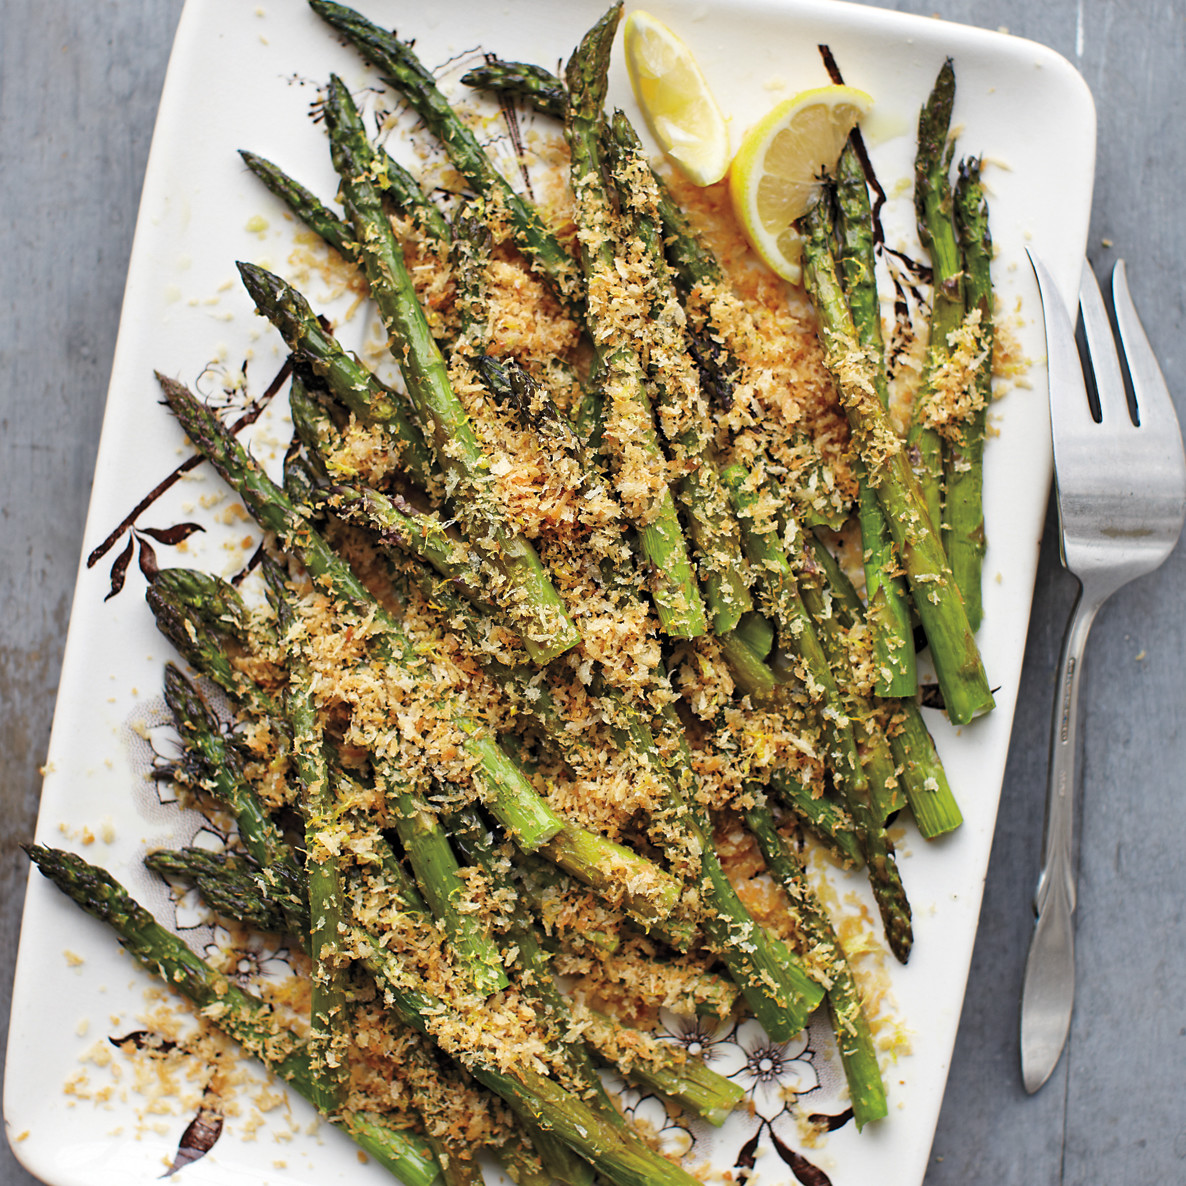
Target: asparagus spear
{"type": "Point", "coordinates": [534, 604]}
{"type": "Point", "coordinates": [681, 408]}
{"type": "Point", "coordinates": [536, 977]}
{"type": "Point", "coordinates": [212, 765]}
{"type": "Point", "coordinates": [347, 379]}
{"type": "Point", "coordinates": [853, 1037]}
{"type": "Point", "coordinates": [188, 607]}
{"type": "Point", "coordinates": [329, 1037]}
{"type": "Point", "coordinates": [245, 1018]}
{"type": "Point", "coordinates": [679, 1077]}
{"type": "Point", "coordinates": [796, 631]}
{"type": "Point", "coordinates": [923, 778]}
{"type": "Point", "coordinates": [884, 792]}
{"type": "Point", "coordinates": [965, 473]}
{"type": "Point", "coordinates": [402, 70]}
{"type": "Point", "coordinates": [885, 591]}
{"type": "Point", "coordinates": [521, 80]}
{"type": "Point", "coordinates": [936, 232]}
{"type": "Point", "coordinates": [798, 606]}
{"type": "Point", "coordinates": [961, 675]}
{"type": "Point", "coordinates": [777, 991]}
{"type": "Point", "coordinates": [829, 822]}
{"type": "Point", "coordinates": [693, 263]}
{"type": "Point", "coordinates": [229, 885]}
{"type": "Point", "coordinates": [687, 1081]}
{"type": "Point", "coordinates": [397, 184]}
{"type": "Point", "coordinates": [424, 841]}
{"type": "Point", "coordinates": [615, 1153]}
{"type": "Point", "coordinates": [510, 383]}
{"type": "Point", "coordinates": [773, 981]}
{"type": "Point", "coordinates": [620, 1156]}
{"type": "Point", "coordinates": [627, 423]}
{"type": "Point", "coordinates": [304, 204]}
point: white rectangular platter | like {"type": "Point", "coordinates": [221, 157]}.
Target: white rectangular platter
{"type": "Point", "coordinates": [243, 76]}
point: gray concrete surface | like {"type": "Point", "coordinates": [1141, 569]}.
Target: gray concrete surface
{"type": "Point", "coordinates": [79, 84]}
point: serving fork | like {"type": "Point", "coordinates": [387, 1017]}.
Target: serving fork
{"type": "Point", "coordinates": [1120, 483]}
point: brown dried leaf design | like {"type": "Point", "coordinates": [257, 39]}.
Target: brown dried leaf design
{"type": "Point", "coordinates": [806, 1171]}
{"type": "Point", "coordinates": [146, 1041]}
{"type": "Point", "coordinates": [147, 560]}
{"type": "Point", "coordinates": [747, 1154]}
{"type": "Point", "coordinates": [250, 414]}
{"type": "Point", "coordinates": [119, 570]}
{"type": "Point", "coordinates": [830, 1123]}
{"type": "Point", "coordinates": [171, 536]}
{"type": "Point", "coordinates": [197, 1140]}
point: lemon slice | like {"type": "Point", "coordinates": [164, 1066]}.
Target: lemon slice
{"type": "Point", "coordinates": [775, 177]}
{"type": "Point", "coordinates": [675, 100]}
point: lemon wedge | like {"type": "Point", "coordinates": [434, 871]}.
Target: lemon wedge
{"type": "Point", "coordinates": [678, 106]}
{"type": "Point", "coordinates": [775, 176]}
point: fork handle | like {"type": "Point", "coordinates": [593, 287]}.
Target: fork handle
{"type": "Point", "coordinates": [1060, 780]}
{"type": "Point", "coordinates": [1048, 991]}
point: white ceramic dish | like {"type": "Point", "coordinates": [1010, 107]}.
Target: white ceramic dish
{"type": "Point", "coordinates": [243, 76]}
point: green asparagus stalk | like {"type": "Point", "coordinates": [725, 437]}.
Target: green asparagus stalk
{"type": "Point", "coordinates": [923, 778]}
{"type": "Point", "coordinates": [347, 379]}
{"type": "Point", "coordinates": [936, 232]}
{"type": "Point", "coordinates": [682, 1078]}
{"type": "Point", "coordinates": [757, 632]}
{"type": "Point", "coordinates": [800, 610]}
{"type": "Point", "coordinates": [776, 987]}
{"type": "Point", "coordinates": [781, 997]}
{"type": "Point", "coordinates": [884, 792]}
{"type": "Point", "coordinates": [473, 245]}
{"type": "Point", "coordinates": [797, 632]}
{"type": "Point", "coordinates": [186, 606]}
{"type": "Point", "coordinates": [397, 184]}
{"type": "Point", "coordinates": [329, 1036]}
{"type": "Point", "coordinates": [214, 767]}
{"type": "Point", "coordinates": [628, 417]}
{"type": "Point", "coordinates": [424, 841]}
{"type": "Point", "coordinates": [229, 885]}
{"type": "Point", "coordinates": [885, 590]}
{"type": "Point", "coordinates": [853, 1037]}
{"type": "Point", "coordinates": [753, 676]}
{"type": "Point", "coordinates": [309, 208]}
{"type": "Point", "coordinates": [536, 980]}
{"type": "Point", "coordinates": [534, 604]}
{"type": "Point", "coordinates": [402, 525]}
{"type": "Point", "coordinates": [828, 822]}
{"type": "Point", "coordinates": [692, 261]}
{"type": "Point", "coordinates": [245, 1018]}
{"type": "Point", "coordinates": [681, 407]}
{"type": "Point", "coordinates": [571, 918]}
{"type": "Point", "coordinates": [510, 383]}
{"type": "Point", "coordinates": [402, 70]}
{"type": "Point", "coordinates": [960, 671]}
{"type": "Point", "coordinates": [965, 472]}
{"type": "Point", "coordinates": [521, 80]}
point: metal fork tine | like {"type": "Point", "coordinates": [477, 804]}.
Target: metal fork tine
{"type": "Point", "coordinates": [1069, 407]}
{"type": "Point", "coordinates": [1155, 407]}
{"type": "Point", "coordinates": [1101, 348]}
